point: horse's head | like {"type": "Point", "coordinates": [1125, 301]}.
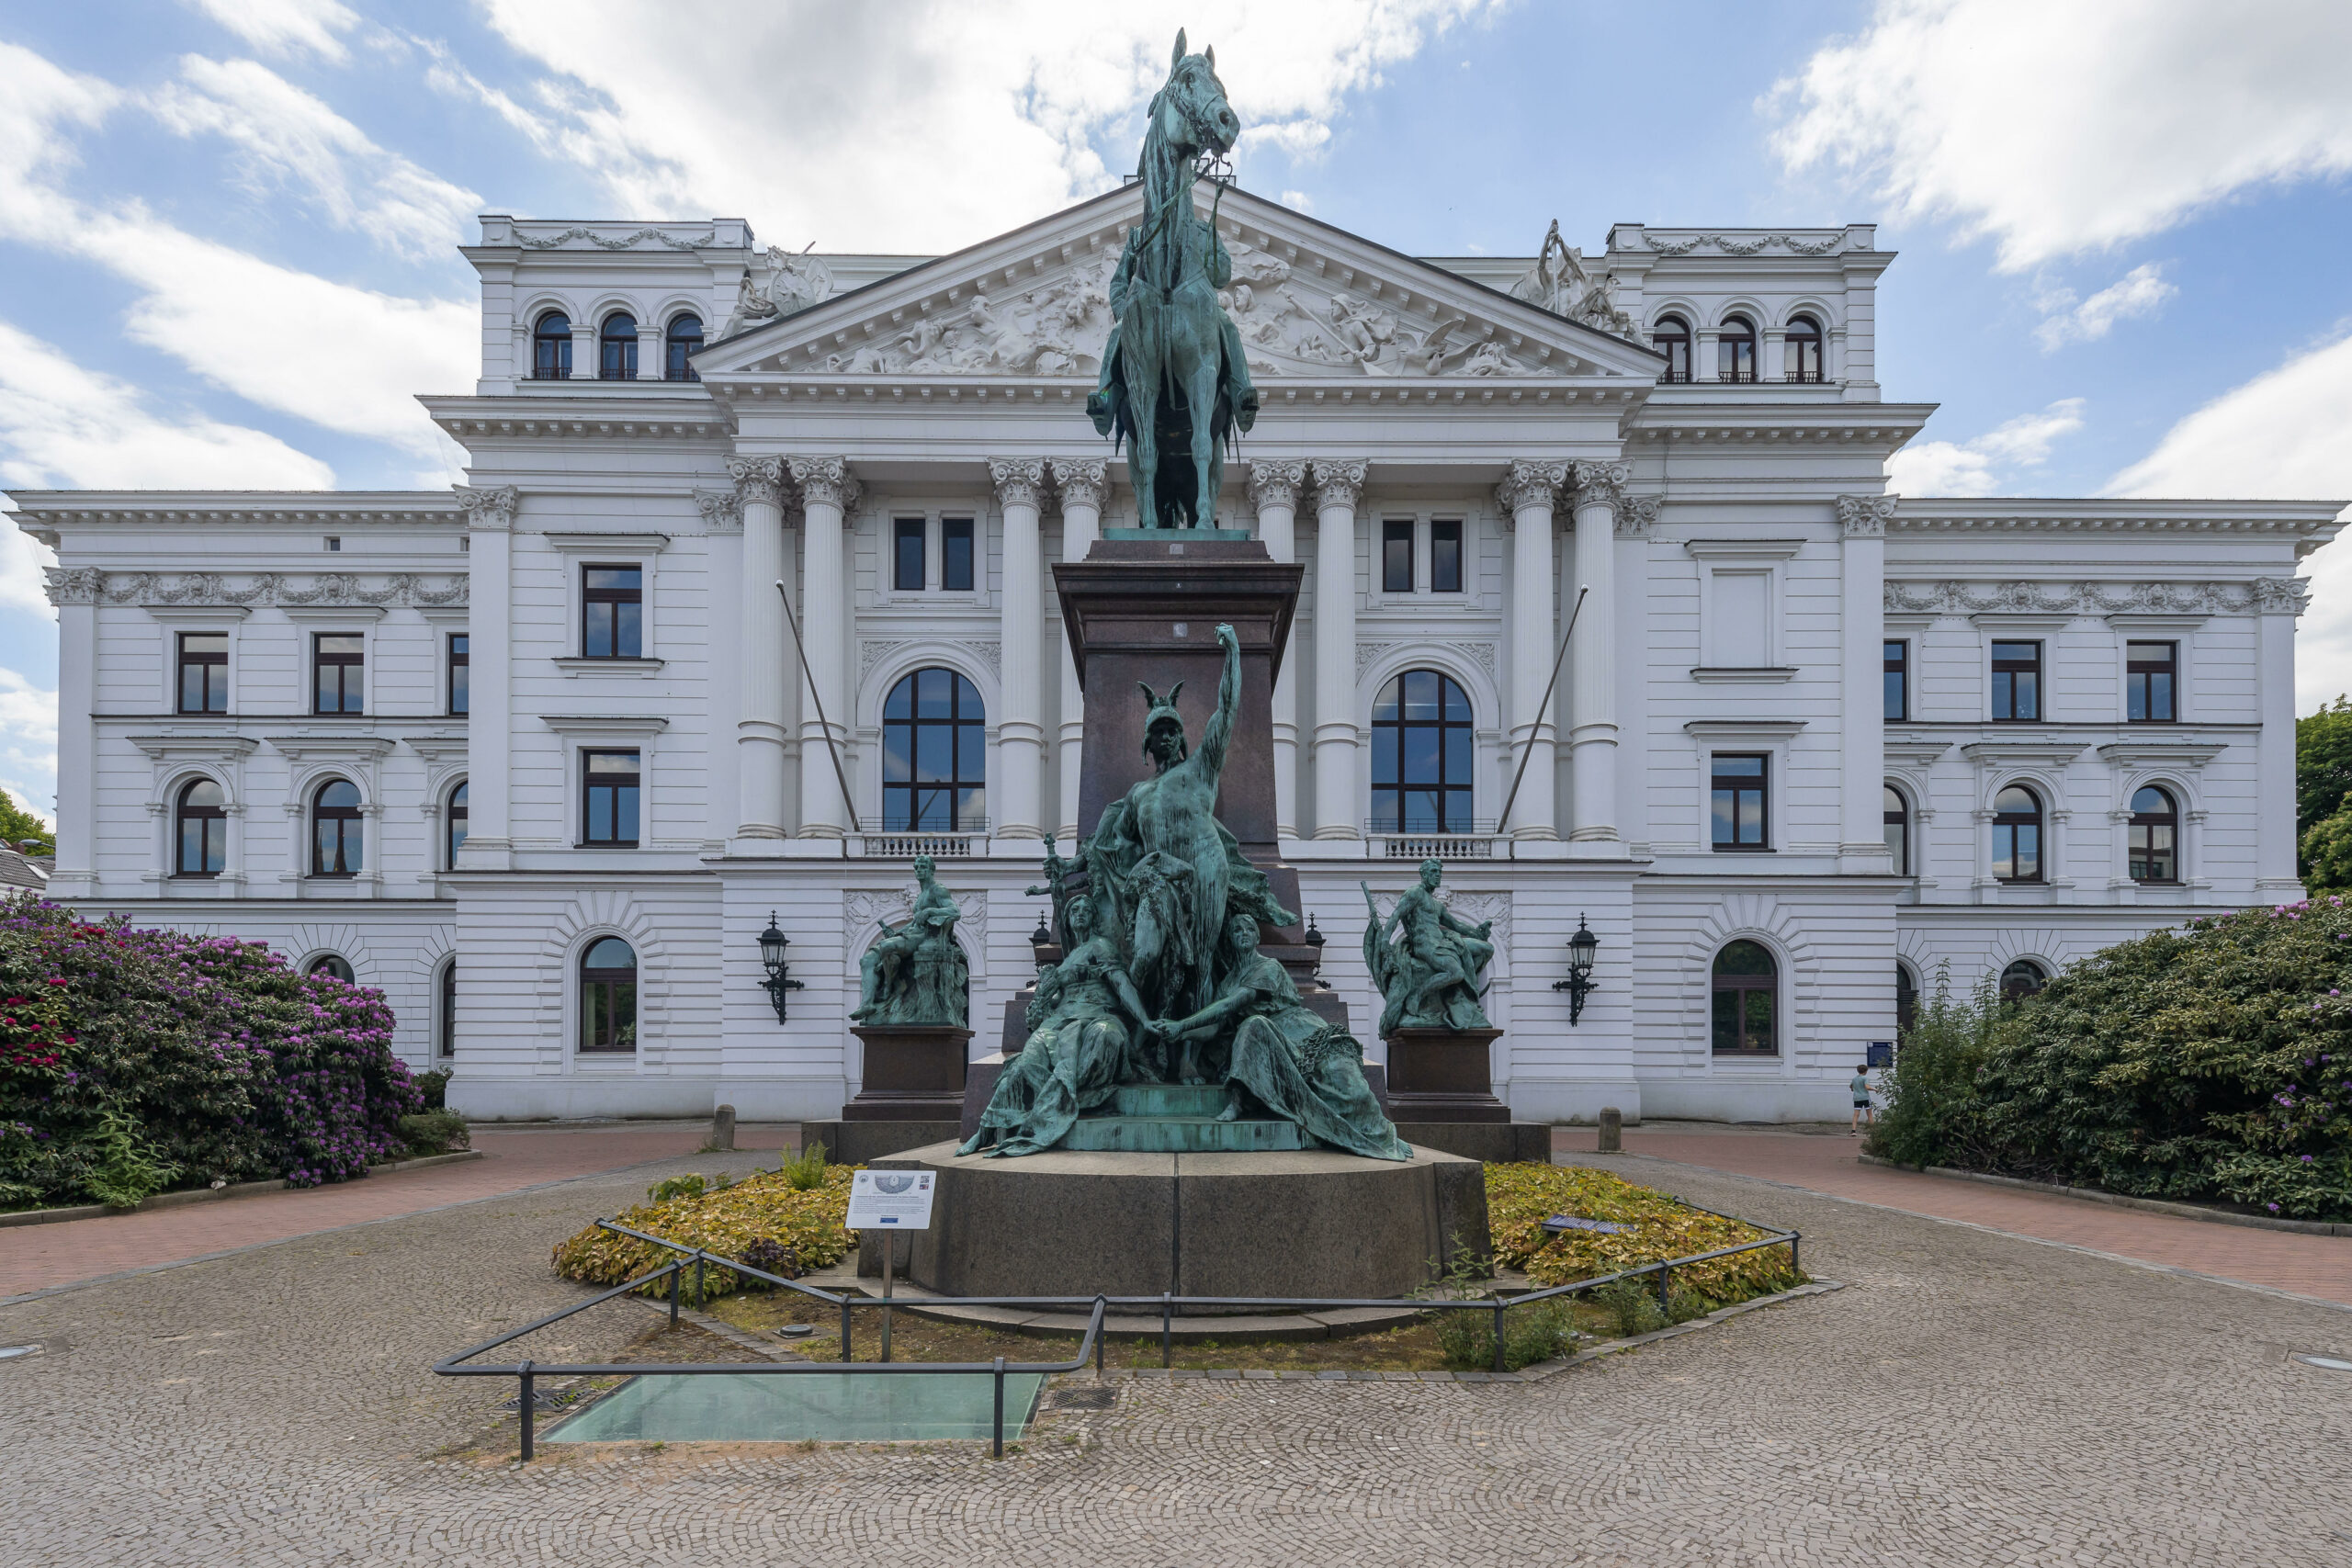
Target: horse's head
{"type": "Point", "coordinates": [1190, 113]}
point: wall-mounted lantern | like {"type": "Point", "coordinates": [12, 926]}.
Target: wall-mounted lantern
{"type": "Point", "coordinates": [1583, 948]}
{"type": "Point", "coordinates": [1315, 942]}
{"type": "Point", "coordinates": [772, 945]}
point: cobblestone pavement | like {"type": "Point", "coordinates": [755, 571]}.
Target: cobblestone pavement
{"type": "Point", "coordinates": [2308, 1265]}
{"type": "Point", "coordinates": [1968, 1399]}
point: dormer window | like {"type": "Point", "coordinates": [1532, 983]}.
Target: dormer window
{"type": "Point", "coordinates": [1671, 337]}
{"type": "Point", "coordinates": [1802, 362]}
{"type": "Point", "coordinates": [551, 347]}
{"type": "Point", "coordinates": [1735, 350]}
{"type": "Point", "coordinates": [684, 339]}
{"type": "Point", "coordinates": [616, 348]}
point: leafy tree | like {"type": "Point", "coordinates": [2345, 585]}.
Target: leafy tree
{"type": "Point", "coordinates": [2327, 853]}
{"type": "Point", "coordinates": [2322, 766]}
{"type": "Point", "coordinates": [18, 825]}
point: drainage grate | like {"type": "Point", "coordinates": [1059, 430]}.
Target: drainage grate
{"type": "Point", "coordinates": [1082, 1398]}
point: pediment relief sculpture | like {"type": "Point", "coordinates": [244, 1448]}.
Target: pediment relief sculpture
{"type": "Point", "coordinates": [1559, 283]}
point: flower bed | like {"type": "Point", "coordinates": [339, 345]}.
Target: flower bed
{"type": "Point", "coordinates": [764, 1207]}
{"type": "Point", "coordinates": [1520, 1198]}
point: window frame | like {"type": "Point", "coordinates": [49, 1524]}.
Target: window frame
{"type": "Point", "coordinates": [1804, 333]}
{"type": "Point", "coordinates": [456, 696]}
{"type": "Point", "coordinates": [2139, 680]}
{"type": "Point", "coordinates": [2168, 820]}
{"type": "Point", "coordinates": [2037, 819]}
{"type": "Point", "coordinates": [1898, 665]}
{"type": "Point", "coordinates": [340, 663]}
{"type": "Point", "coordinates": [1447, 791]}
{"type": "Point", "coordinates": [550, 352]}
{"type": "Point", "coordinates": [1719, 782]}
{"type": "Point", "coordinates": [591, 597]}
{"type": "Point", "coordinates": [182, 814]}
{"type": "Point", "coordinates": [350, 834]}
{"type": "Point", "coordinates": [183, 662]}
{"type": "Point", "coordinates": [327, 964]}
{"type": "Point", "coordinates": [905, 531]}
{"type": "Point", "coordinates": [1906, 999]}
{"type": "Point", "coordinates": [1721, 984]}
{"type": "Point", "coordinates": [588, 987]}
{"type": "Point", "coordinates": [616, 357]}
{"type": "Point", "coordinates": [2010, 971]}
{"type": "Point", "coordinates": [1452, 530]}
{"type": "Point", "coordinates": [2037, 667]}
{"type": "Point", "coordinates": [920, 793]}
{"type": "Point", "coordinates": [589, 789]}
{"type": "Point", "coordinates": [954, 530]}
{"type": "Point", "coordinates": [1673, 336]}
{"type": "Point", "coordinates": [455, 808]}
{"type": "Point", "coordinates": [1732, 335]}
{"type": "Point", "coordinates": [444, 1010]}
{"type": "Point", "coordinates": [1396, 531]}
{"type": "Point", "coordinates": [678, 366]}
{"type": "Point", "coordinates": [1898, 818]}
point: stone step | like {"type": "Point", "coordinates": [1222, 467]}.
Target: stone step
{"type": "Point", "coordinates": [1180, 1134]}
{"type": "Point", "coordinates": [1168, 1100]}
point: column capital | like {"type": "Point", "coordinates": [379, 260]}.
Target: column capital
{"type": "Point", "coordinates": [1634, 517]}
{"type": "Point", "coordinates": [1019, 482]}
{"type": "Point", "coordinates": [2281, 595]}
{"type": "Point", "coordinates": [824, 482]}
{"type": "Point", "coordinates": [722, 510]}
{"type": "Point", "coordinates": [1865, 516]}
{"type": "Point", "coordinates": [487, 506]}
{"type": "Point", "coordinates": [758, 481]}
{"type": "Point", "coordinates": [1083, 481]}
{"type": "Point", "coordinates": [1603, 484]}
{"type": "Point", "coordinates": [1337, 484]}
{"type": "Point", "coordinates": [1527, 483]}
{"type": "Point", "coordinates": [74, 585]}
{"type": "Point", "coordinates": [1277, 483]}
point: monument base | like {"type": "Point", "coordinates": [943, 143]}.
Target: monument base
{"type": "Point", "coordinates": [862, 1142]}
{"type": "Point", "coordinates": [1309, 1223]}
{"type": "Point", "coordinates": [1498, 1143]}
{"type": "Point", "coordinates": [1442, 1074]}
{"type": "Point", "coordinates": [911, 1093]}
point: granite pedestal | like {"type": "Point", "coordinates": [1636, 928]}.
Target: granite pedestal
{"type": "Point", "coordinates": [911, 1093]}
{"type": "Point", "coordinates": [1441, 1095]}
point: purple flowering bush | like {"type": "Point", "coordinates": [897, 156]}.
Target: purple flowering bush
{"type": "Point", "coordinates": [231, 1067]}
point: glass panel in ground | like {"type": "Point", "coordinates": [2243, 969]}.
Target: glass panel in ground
{"type": "Point", "coordinates": [751, 1407]}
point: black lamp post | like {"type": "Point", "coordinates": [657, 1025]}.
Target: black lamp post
{"type": "Point", "coordinates": [1315, 942]}
{"type": "Point", "coordinates": [1583, 948]}
{"type": "Point", "coordinates": [772, 945]}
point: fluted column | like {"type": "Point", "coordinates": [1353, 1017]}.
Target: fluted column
{"type": "Point", "coordinates": [768, 656]}
{"type": "Point", "coordinates": [490, 725]}
{"type": "Point", "coordinates": [1082, 483]}
{"type": "Point", "coordinates": [1274, 488]}
{"type": "Point", "coordinates": [1526, 496]}
{"type": "Point", "coordinates": [1862, 611]}
{"type": "Point", "coordinates": [2278, 601]}
{"type": "Point", "coordinates": [1593, 656]}
{"type": "Point", "coordinates": [827, 490]}
{"type": "Point", "coordinates": [1016, 794]}
{"type": "Point", "coordinates": [76, 594]}
{"type": "Point", "coordinates": [1337, 737]}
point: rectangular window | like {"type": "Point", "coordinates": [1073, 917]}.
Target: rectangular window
{"type": "Point", "coordinates": [612, 612]}
{"type": "Point", "coordinates": [608, 800]}
{"type": "Point", "coordinates": [1742, 785]}
{"type": "Point", "coordinates": [956, 555]}
{"type": "Point", "coordinates": [461, 673]}
{"type": "Point", "coordinates": [2017, 681]}
{"type": "Point", "coordinates": [204, 671]}
{"type": "Point", "coordinates": [2152, 682]}
{"type": "Point", "coordinates": [339, 660]}
{"type": "Point", "coordinates": [1445, 557]}
{"type": "Point", "coordinates": [1397, 558]}
{"type": "Point", "coordinates": [906, 555]}
{"type": "Point", "coordinates": [1897, 680]}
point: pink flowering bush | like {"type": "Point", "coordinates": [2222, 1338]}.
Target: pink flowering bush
{"type": "Point", "coordinates": [231, 1067]}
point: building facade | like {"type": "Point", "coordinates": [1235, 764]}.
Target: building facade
{"type": "Point", "coordinates": [1603, 543]}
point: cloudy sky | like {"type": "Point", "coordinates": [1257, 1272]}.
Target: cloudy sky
{"type": "Point", "coordinates": [228, 228]}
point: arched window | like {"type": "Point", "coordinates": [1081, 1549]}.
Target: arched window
{"type": "Point", "coordinates": [684, 339]}
{"type": "Point", "coordinates": [455, 831]}
{"type": "Point", "coordinates": [2016, 835]}
{"type": "Point", "coordinates": [608, 996]}
{"type": "Point", "coordinates": [2154, 845]}
{"type": "Point", "coordinates": [1746, 986]}
{"type": "Point", "coordinates": [2022, 979]}
{"type": "Point", "coordinates": [444, 1010]}
{"type": "Point", "coordinates": [335, 966]}
{"type": "Point", "coordinates": [934, 755]}
{"type": "Point", "coordinates": [616, 348]}
{"type": "Point", "coordinates": [203, 830]}
{"type": "Point", "coordinates": [1422, 759]}
{"type": "Point", "coordinates": [1897, 812]}
{"type": "Point", "coordinates": [1802, 361]}
{"type": "Point", "coordinates": [551, 347]}
{"type": "Point", "coordinates": [1907, 997]}
{"type": "Point", "coordinates": [1735, 350]}
{"type": "Point", "coordinates": [1671, 337]}
{"type": "Point", "coordinates": [334, 830]}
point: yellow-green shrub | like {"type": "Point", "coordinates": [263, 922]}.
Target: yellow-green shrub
{"type": "Point", "coordinates": [724, 1222]}
{"type": "Point", "coordinates": [1520, 1198]}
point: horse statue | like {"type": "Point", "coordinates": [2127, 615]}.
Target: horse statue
{"type": "Point", "coordinates": [1174, 381]}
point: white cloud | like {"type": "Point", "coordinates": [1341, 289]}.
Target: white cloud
{"type": "Point", "coordinates": [916, 127]}
{"type": "Point", "coordinates": [28, 744]}
{"type": "Point", "coordinates": [1299, 201]}
{"type": "Point", "coordinates": [2279, 437]}
{"type": "Point", "coordinates": [1983, 466]}
{"type": "Point", "coordinates": [284, 136]}
{"type": "Point", "coordinates": [287, 27]}
{"type": "Point", "coordinates": [2058, 128]}
{"type": "Point", "coordinates": [2140, 292]}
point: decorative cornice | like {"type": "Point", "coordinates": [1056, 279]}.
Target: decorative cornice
{"type": "Point", "coordinates": [614, 243]}
{"type": "Point", "coordinates": [1602, 484]}
{"type": "Point", "coordinates": [1530, 484]}
{"type": "Point", "coordinates": [722, 510]}
{"type": "Point", "coordinates": [1276, 484]}
{"type": "Point", "coordinates": [2274, 595]}
{"type": "Point", "coordinates": [1337, 484]}
{"type": "Point", "coordinates": [1019, 482]}
{"type": "Point", "coordinates": [1865, 516]}
{"type": "Point", "coordinates": [1083, 481]}
{"type": "Point", "coordinates": [1634, 517]}
{"type": "Point", "coordinates": [1737, 243]}
{"type": "Point", "coordinates": [824, 482]}
{"type": "Point", "coordinates": [327, 588]}
{"type": "Point", "coordinates": [487, 506]}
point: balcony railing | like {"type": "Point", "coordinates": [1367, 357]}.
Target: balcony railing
{"type": "Point", "coordinates": [958, 842]}
{"type": "Point", "coordinates": [1394, 841]}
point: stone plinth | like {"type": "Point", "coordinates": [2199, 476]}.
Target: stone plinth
{"type": "Point", "coordinates": [914, 1072]}
{"type": "Point", "coordinates": [1166, 1117]}
{"type": "Point", "coordinates": [1309, 1223]}
{"type": "Point", "coordinates": [1444, 1075]}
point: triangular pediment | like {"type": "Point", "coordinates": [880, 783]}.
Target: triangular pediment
{"type": "Point", "coordinates": [1311, 300]}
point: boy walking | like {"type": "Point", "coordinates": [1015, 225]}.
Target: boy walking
{"type": "Point", "coordinates": [1861, 1087]}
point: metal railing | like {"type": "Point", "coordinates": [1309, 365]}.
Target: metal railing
{"type": "Point", "coordinates": [528, 1372]}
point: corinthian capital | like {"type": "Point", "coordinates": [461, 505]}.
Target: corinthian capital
{"type": "Point", "coordinates": [1337, 484]}
{"type": "Point", "coordinates": [1634, 518]}
{"type": "Point", "coordinates": [824, 482]}
{"type": "Point", "coordinates": [1020, 482]}
{"type": "Point", "coordinates": [1865, 516]}
{"type": "Point", "coordinates": [1603, 484]}
{"type": "Point", "coordinates": [1083, 481]}
{"type": "Point", "coordinates": [1276, 484]}
{"type": "Point", "coordinates": [1530, 484]}
{"type": "Point", "coordinates": [759, 481]}
{"type": "Point", "coordinates": [722, 510]}
{"type": "Point", "coordinates": [2281, 595]}
{"type": "Point", "coordinates": [487, 506]}
{"type": "Point", "coordinates": [74, 585]}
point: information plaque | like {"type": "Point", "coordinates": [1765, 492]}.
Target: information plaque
{"type": "Point", "coordinates": [896, 1199]}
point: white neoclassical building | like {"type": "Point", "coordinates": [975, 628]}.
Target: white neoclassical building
{"type": "Point", "coordinates": [542, 759]}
